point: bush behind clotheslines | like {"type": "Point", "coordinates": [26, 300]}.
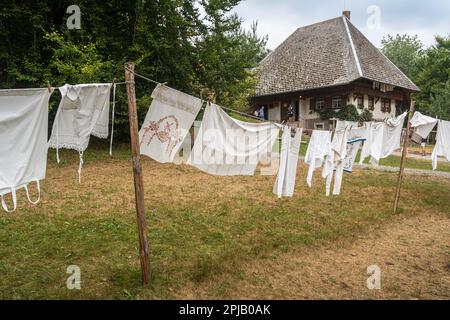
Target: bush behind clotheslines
{"type": "Point", "coordinates": [347, 113]}
{"type": "Point", "coordinates": [193, 49]}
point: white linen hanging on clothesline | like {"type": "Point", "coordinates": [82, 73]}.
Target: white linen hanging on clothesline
{"type": "Point", "coordinates": [356, 138]}
{"type": "Point", "coordinates": [23, 141]}
{"type": "Point", "coordinates": [318, 148]}
{"type": "Point", "coordinates": [287, 172]}
{"type": "Point", "coordinates": [334, 163]}
{"type": "Point", "coordinates": [167, 123]}
{"type": "Point", "coordinates": [423, 124]}
{"type": "Point", "coordinates": [342, 124]}
{"type": "Point", "coordinates": [383, 139]}
{"type": "Point", "coordinates": [82, 112]}
{"type": "Point", "coordinates": [228, 147]}
{"type": "Point", "coordinates": [442, 147]}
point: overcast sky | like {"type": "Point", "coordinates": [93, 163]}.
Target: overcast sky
{"type": "Point", "coordinates": [279, 18]}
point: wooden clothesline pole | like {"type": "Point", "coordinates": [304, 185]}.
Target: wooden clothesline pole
{"type": "Point", "coordinates": [403, 160]}
{"type": "Point", "coordinates": [137, 172]}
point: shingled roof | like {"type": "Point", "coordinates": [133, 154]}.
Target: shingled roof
{"type": "Point", "coordinates": [325, 54]}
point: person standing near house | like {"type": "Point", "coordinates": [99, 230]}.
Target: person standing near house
{"type": "Point", "coordinates": [423, 145]}
{"type": "Point", "coordinates": [291, 113]}
{"type": "Point", "coordinates": [261, 113]}
{"type": "Point", "coordinates": [256, 113]}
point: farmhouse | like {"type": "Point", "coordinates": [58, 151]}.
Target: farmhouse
{"type": "Point", "coordinates": [326, 66]}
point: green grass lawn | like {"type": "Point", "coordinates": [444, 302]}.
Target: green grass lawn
{"type": "Point", "coordinates": [200, 226]}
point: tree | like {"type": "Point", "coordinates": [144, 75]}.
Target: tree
{"type": "Point", "coordinates": [194, 45]}
{"type": "Point", "coordinates": [404, 51]}
{"type": "Point", "coordinates": [433, 77]}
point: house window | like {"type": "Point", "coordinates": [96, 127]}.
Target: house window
{"type": "Point", "coordinates": [319, 126]}
{"type": "Point", "coordinates": [360, 101]}
{"type": "Point", "coordinates": [336, 103]}
{"type": "Point", "coordinates": [320, 104]}
{"type": "Point", "coordinates": [386, 105]}
{"type": "Point", "coordinates": [371, 103]}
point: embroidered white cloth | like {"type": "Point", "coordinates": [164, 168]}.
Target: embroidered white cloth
{"type": "Point", "coordinates": [167, 123]}
{"type": "Point", "coordinates": [334, 162]}
{"type": "Point", "coordinates": [442, 147]}
{"type": "Point", "coordinates": [23, 141]}
{"type": "Point", "coordinates": [82, 112]}
{"type": "Point", "coordinates": [228, 147]}
{"type": "Point", "coordinates": [287, 173]}
{"type": "Point", "coordinates": [318, 148]}
{"type": "Point", "coordinates": [422, 124]}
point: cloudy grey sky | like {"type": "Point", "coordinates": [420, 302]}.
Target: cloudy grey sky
{"type": "Point", "coordinates": [279, 18]}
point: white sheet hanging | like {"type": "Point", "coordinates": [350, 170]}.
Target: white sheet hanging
{"type": "Point", "coordinates": [228, 147]}
{"type": "Point", "coordinates": [318, 148]}
{"type": "Point", "coordinates": [442, 147]}
{"type": "Point", "coordinates": [423, 124]}
{"type": "Point", "coordinates": [334, 162]}
{"type": "Point", "coordinates": [392, 134]}
{"type": "Point", "coordinates": [383, 139]}
{"type": "Point", "coordinates": [287, 173]}
{"type": "Point", "coordinates": [373, 145]}
{"type": "Point", "coordinates": [167, 123]}
{"type": "Point", "coordinates": [23, 141]}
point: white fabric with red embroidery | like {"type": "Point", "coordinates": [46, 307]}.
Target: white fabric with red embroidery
{"type": "Point", "coordinates": [167, 123]}
{"type": "Point", "coordinates": [23, 141]}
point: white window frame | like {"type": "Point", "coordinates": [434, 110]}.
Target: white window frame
{"type": "Point", "coordinates": [320, 104]}
{"type": "Point", "coordinates": [319, 124]}
{"type": "Point", "coordinates": [334, 99]}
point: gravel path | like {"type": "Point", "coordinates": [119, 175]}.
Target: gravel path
{"type": "Point", "coordinates": [409, 171]}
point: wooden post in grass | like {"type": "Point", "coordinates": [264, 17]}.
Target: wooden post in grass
{"type": "Point", "coordinates": [403, 160]}
{"type": "Point", "coordinates": [137, 172]}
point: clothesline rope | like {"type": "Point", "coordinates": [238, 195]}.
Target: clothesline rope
{"type": "Point", "coordinates": [229, 109]}
{"type": "Point", "coordinates": [145, 78]}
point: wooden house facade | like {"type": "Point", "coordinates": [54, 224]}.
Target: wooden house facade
{"type": "Point", "coordinates": [328, 65]}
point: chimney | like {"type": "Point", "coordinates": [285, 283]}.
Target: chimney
{"type": "Point", "coordinates": [347, 14]}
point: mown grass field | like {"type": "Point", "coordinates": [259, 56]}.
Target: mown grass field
{"type": "Point", "coordinates": [204, 231]}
